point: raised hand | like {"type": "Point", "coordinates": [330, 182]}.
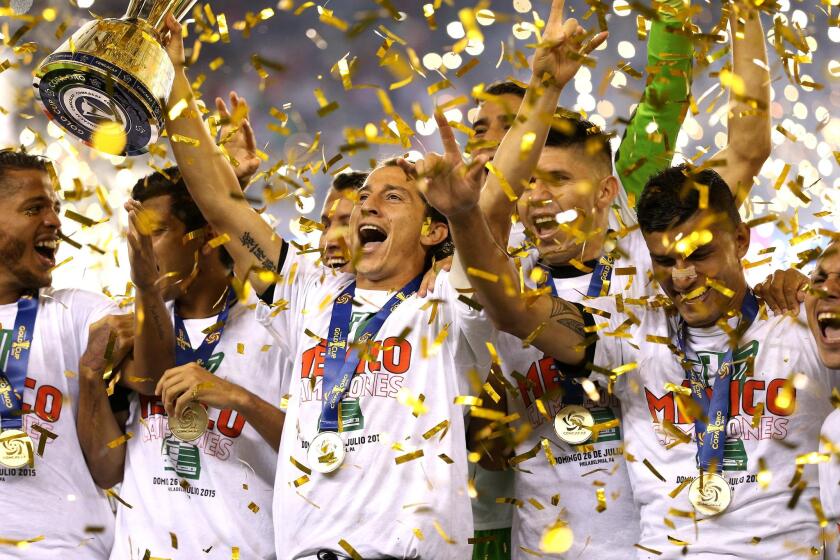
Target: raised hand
{"type": "Point", "coordinates": [447, 181]}
{"type": "Point", "coordinates": [141, 255]}
{"type": "Point", "coordinates": [173, 42]}
{"type": "Point", "coordinates": [238, 137]}
{"type": "Point", "coordinates": [562, 50]}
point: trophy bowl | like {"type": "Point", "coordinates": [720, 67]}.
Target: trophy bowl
{"type": "Point", "coordinates": [112, 73]}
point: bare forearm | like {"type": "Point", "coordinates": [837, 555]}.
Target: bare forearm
{"type": "Point", "coordinates": [554, 325]}
{"type": "Point", "coordinates": [154, 343]}
{"type": "Point", "coordinates": [514, 165]}
{"type": "Point", "coordinates": [267, 419]}
{"type": "Point", "coordinates": [748, 124]}
{"type": "Point", "coordinates": [97, 427]}
{"type": "Point", "coordinates": [213, 185]}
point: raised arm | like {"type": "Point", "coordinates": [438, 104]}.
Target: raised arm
{"type": "Point", "coordinates": [554, 325]}
{"type": "Point", "coordinates": [154, 340]}
{"type": "Point", "coordinates": [554, 64]}
{"type": "Point", "coordinates": [748, 122]}
{"type": "Point", "coordinates": [211, 178]}
{"type": "Point", "coordinates": [664, 101]}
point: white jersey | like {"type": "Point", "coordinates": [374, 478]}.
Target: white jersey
{"type": "Point", "coordinates": [830, 482]}
{"type": "Point", "coordinates": [570, 489]}
{"type": "Point", "coordinates": [402, 489]}
{"type": "Point", "coordinates": [210, 497]}
{"type": "Point", "coordinates": [57, 500]}
{"type": "Point", "coordinates": [778, 404]}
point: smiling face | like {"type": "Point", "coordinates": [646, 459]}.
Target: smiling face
{"type": "Point", "coordinates": [389, 238]}
{"type": "Point", "coordinates": [334, 243]}
{"type": "Point", "coordinates": [717, 257]}
{"type": "Point", "coordinates": [29, 234]}
{"type": "Point", "coordinates": [822, 305]}
{"type": "Point", "coordinates": [570, 184]}
{"type": "Point", "coordinates": [493, 120]}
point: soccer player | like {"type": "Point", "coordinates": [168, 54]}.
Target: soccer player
{"type": "Point", "coordinates": [57, 422]}
{"type": "Point", "coordinates": [373, 457]}
{"type": "Point", "coordinates": [768, 410]}
{"type": "Point", "coordinates": [208, 491]}
{"type": "Point", "coordinates": [576, 259]}
{"type": "Point", "coordinates": [576, 158]}
{"type": "Point", "coordinates": [821, 307]}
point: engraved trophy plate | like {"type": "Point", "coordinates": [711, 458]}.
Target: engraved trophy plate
{"type": "Point", "coordinates": [112, 71]}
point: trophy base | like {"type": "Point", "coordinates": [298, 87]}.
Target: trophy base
{"type": "Point", "coordinates": [110, 71]}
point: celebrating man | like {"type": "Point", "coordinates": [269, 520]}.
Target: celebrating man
{"type": "Point", "coordinates": [59, 437]}
{"type": "Point", "coordinates": [213, 466]}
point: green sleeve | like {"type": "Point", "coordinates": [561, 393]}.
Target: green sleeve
{"type": "Point", "coordinates": [664, 101]}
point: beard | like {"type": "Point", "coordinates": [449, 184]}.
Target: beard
{"type": "Point", "coordinates": [12, 251]}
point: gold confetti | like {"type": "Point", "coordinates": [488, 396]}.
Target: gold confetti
{"type": "Point", "coordinates": [408, 457]}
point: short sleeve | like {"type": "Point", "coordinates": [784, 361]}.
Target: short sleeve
{"type": "Point", "coordinates": [85, 309]}
{"type": "Point", "coordinates": [300, 273]}
{"type": "Point", "coordinates": [468, 324]}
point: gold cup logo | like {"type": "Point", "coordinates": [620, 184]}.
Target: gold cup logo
{"type": "Point", "coordinates": [108, 83]}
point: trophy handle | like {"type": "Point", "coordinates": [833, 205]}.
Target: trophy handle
{"type": "Point", "coordinates": [154, 12]}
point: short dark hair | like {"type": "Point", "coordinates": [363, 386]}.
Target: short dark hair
{"type": "Point", "coordinates": [19, 160]}
{"type": "Point", "coordinates": [505, 87]}
{"type": "Point", "coordinates": [350, 180]}
{"type": "Point", "coordinates": [570, 130]}
{"type": "Point", "coordinates": [670, 198]}
{"type": "Point", "coordinates": [445, 248]}
{"type": "Point", "coordinates": [170, 182]}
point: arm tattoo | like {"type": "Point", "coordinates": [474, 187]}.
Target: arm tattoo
{"type": "Point", "coordinates": [253, 247]}
{"type": "Point", "coordinates": [567, 315]}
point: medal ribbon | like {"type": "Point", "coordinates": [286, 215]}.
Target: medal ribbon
{"type": "Point", "coordinates": [341, 361]}
{"type": "Point", "coordinates": [13, 374]}
{"type": "Point", "coordinates": [184, 352]}
{"type": "Point", "coordinates": [601, 277]}
{"type": "Point", "coordinates": [710, 451]}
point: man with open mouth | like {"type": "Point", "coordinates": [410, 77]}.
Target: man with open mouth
{"type": "Point", "coordinates": [567, 214]}
{"type": "Point", "coordinates": [822, 307]}
{"type": "Point", "coordinates": [372, 460]}
{"type": "Point", "coordinates": [58, 430]}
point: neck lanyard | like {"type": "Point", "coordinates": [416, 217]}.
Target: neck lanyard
{"type": "Point", "coordinates": [13, 373]}
{"type": "Point", "coordinates": [340, 362]}
{"type": "Point", "coordinates": [184, 352]}
{"type": "Point", "coordinates": [600, 281]}
{"type": "Point", "coordinates": [710, 451]}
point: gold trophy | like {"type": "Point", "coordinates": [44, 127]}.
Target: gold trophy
{"type": "Point", "coordinates": [112, 71]}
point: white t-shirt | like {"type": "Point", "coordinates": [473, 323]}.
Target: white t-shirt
{"type": "Point", "coordinates": [830, 482]}
{"type": "Point", "coordinates": [56, 500]}
{"type": "Point", "coordinates": [202, 499]}
{"type": "Point", "coordinates": [568, 490]}
{"type": "Point", "coordinates": [758, 523]}
{"type": "Point", "coordinates": [379, 502]}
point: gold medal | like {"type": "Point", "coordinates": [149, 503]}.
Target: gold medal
{"type": "Point", "coordinates": [16, 449]}
{"type": "Point", "coordinates": [572, 424]}
{"type": "Point", "coordinates": [326, 452]}
{"type": "Point", "coordinates": [192, 423]}
{"type": "Point", "coordinates": [710, 494]}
